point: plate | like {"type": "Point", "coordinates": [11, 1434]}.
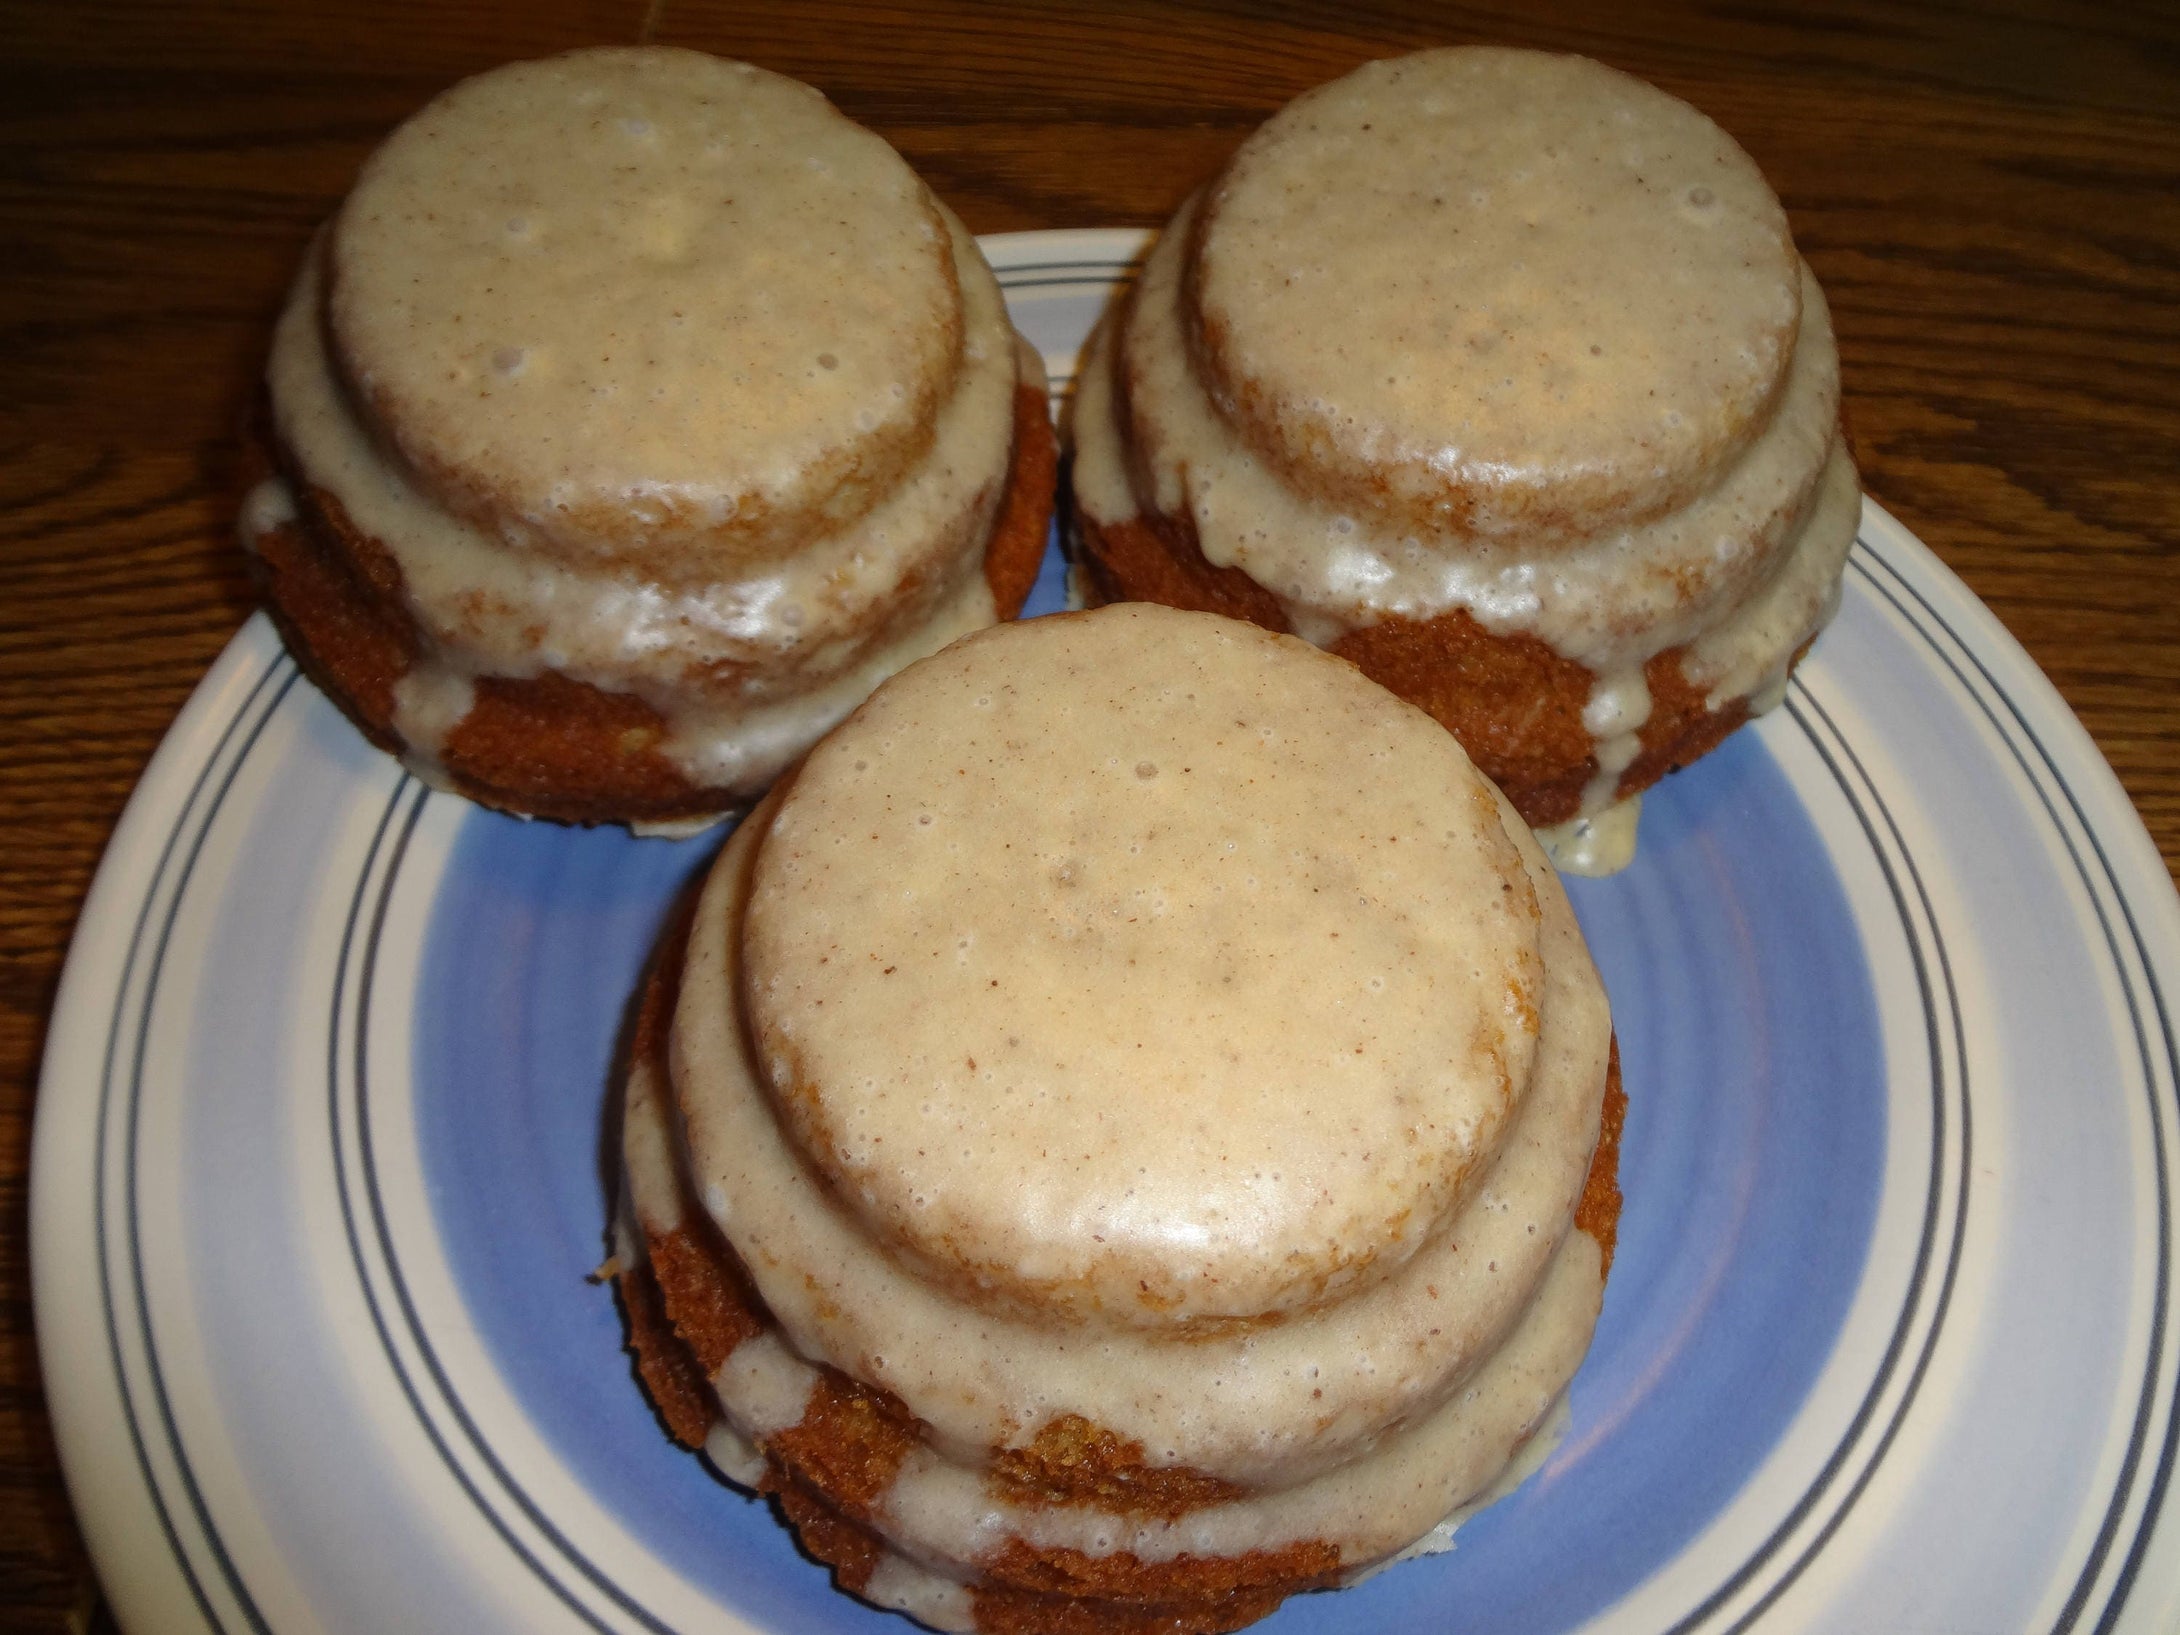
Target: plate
{"type": "Point", "coordinates": [319, 1182]}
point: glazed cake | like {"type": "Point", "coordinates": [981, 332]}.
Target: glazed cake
{"type": "Point", "coordinates": [1497, 373]}
{"type": "Point", "coordinates": [633, 417]}
{"type": "Point", "coordinates": [1127, 1133]}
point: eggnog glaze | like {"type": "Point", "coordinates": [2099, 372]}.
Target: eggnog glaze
{"type": "Point", "coordinates": [746, 649]}
{"type": "Point", "coordinates": [945, 1519]}
{"type": "Point", "coordinates": [1477, 348]}
{"type": "Point", "coordinates": [1266, 1403]}
{"type": "Point", "coordinates": [1608, 601]}
{"type": "Point", "coordinates": [618, 300]}
{"type": "Point", "coordinates": [1564, 296]}
{"type": "Point", "coordinates": [1085, 1009]}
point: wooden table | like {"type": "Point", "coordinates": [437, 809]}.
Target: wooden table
{"type": "Point", "coordinates": [1990, 195]}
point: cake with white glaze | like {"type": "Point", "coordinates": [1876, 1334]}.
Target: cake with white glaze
{"type": "Point", "coordinates": [636, 413]}
{"type": "Point", "coordinates": [1126, 1134]}
{"type": "Point", "coordinates": [1499, 374]}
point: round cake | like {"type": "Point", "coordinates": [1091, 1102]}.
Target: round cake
{"type": "Point", "coordinates": [1497, 373]}
{"type": "Point", "coordinates": [1126, 1133]}
{"type": "Point", "coordinates": [635, 415]}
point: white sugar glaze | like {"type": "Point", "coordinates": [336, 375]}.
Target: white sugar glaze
{"type": "Point", "coordinates": [651, 1157]}
{"type": "Point", "coordinates": [928, 1597]}
{"type": "Point", "coordinates": [1595, 845]}
{"type": "Point", "coordinates": [1370, 1507]}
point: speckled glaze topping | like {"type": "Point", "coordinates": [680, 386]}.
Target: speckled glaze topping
{"type": "Point", "coordinates": [1608, 600]}
{"type": "Point", "coordinates": [1181, 976]}
{"type": "Point", "coordinates": [622, 299]}
{"type": "Point", "coordinates": [1089, 1194]}
{"type": "Point", "coordinates": [1564, 296]}
{"type": "Point", "coordinates": [1263, 1405]}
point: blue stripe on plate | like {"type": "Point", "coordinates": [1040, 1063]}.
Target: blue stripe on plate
{"type": "Point", "coordinates": [364, 962]}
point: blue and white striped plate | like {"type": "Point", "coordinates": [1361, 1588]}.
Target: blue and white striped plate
{"type": "Point", "coordinates": [319, 1179]}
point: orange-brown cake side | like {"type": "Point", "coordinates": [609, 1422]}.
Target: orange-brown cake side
{"type": "Point", "coordinates": [1515, 705]}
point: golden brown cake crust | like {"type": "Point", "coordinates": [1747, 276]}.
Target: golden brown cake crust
{"type": "Point", "coordinates": [1071, 1459]}
{"type": "Point", "coordinates": [859, 1436]}
{"type": "Point", "coordinates": [1597, 1211]}
{"type": "Point", "coordinates": [667, 1366]}
{"type": "Point", "coordinates": [1514, 704]}
{"type": "Point", "coordinates": [1001, 1608]}
{"type": "Point", "coordinates": [831, 1468]}
{"type": "Point", "coordinates": [1017, 548]}
{"type": "Point", "coordinates": [550, 746]}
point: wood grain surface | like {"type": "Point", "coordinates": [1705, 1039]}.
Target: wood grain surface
{"type": "Point", "coordinates": [1990, 194]}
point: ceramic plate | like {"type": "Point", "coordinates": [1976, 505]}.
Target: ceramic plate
{"type": "Point", "coordinates": [320, 1181]}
